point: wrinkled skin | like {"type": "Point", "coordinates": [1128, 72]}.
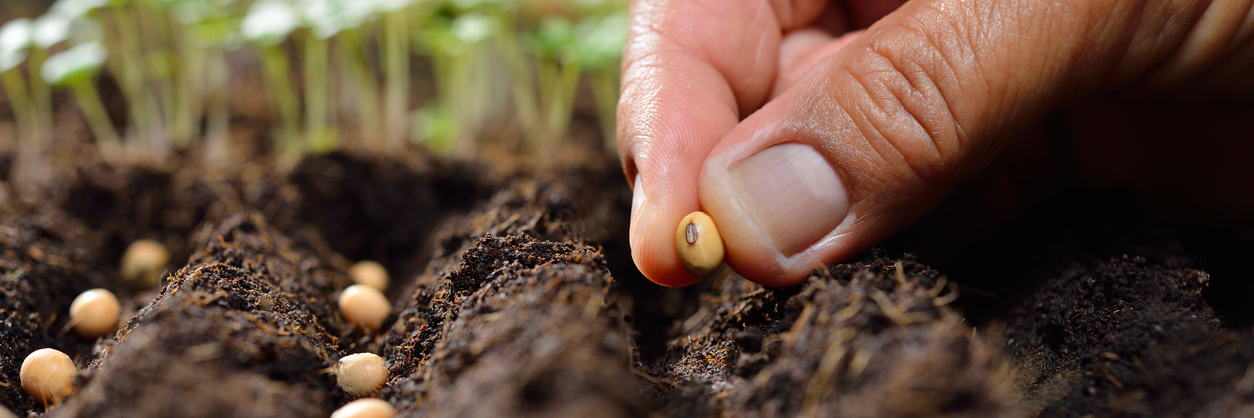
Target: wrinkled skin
{"type": "Point", "coordinates": [907, 101]}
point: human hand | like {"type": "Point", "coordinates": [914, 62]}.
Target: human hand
{"type": "Point", "coordinates": [847, 137]}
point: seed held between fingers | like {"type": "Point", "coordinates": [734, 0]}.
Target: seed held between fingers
{"type": "Point", "coordinates": [364, 305]}
{"type": "Point", "coordinates": [94, 313]}
{"type": "Point", "coordinates": [361, 374]}
{"type": "Point", "coordinates": [365, 408]}
{"type": "Point", "coordinates": [699, 245]}
{"type": "Point", "coordinates": [48, 375]}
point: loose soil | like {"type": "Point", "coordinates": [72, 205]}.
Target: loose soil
{"type": "Point", "coordinates": [514, 294]}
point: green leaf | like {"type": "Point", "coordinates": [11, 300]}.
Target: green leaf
{"type": "Point", "coordinates": [74, 65]}
{"type": "Point", "coordinates": [555, 37]}
{"type": "Point", "coordinates": [15, 40]}
{"type": "Point", "coordinates": [601, 41]}
{"type": "Point", "coordinates": [269, 22]}
{"type": "Point", "coordinates": [51, 29]}
{"type": "Point", "coordinates": [74, 9]}
{"type": "Point", "coordinates": [472, 27]}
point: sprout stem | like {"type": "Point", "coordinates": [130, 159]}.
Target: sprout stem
{"type": "Point", "coordinates": [41, 95]}
{"type": "Point", "coordinates": [218, 131]}
{"type": "Point", "coordinates": [396, 61]}
{"type": "Point", "coordinates": [605, 92]}
{"type": "Point", "coordinates": [367, 91]}
{"type": "Point", "coordinates": [131, 73]}
{"type": "Point", "coordinates": [19, 101]}
{"type": "Point", "coordinates": [32, 166]}
{"type": "Point", "coordinates": [559, 82]}
{"type": "Point", "coordinates": [522, 81]}
{"type": "Point", "coordinates": [275, 62]}
{"type": "Point", "coordinates": [98, 120]}
{"type": "Point", "coordinates": [319, 135]}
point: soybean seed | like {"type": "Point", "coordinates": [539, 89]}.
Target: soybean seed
{"type": "Point", "coordinates": [48, 376]}
{"type": "Point", "coordinates": [364, 305]}
{"type": "Point", "coordinates": [699, 245]}
{"type": "Point", "coordinates": [142, 263]}
{"type": "Point", "coordinates": [365, 408]}
{"type": "Point", "coordinates": [94, 313]}
{"type": "Point", "coordinates": [361, 374]}
{"type": "Point", "coordinates": [370, 274]}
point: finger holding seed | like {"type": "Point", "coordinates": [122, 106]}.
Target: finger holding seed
{"type": "Point", "coordinates": [94, 313]}
{"type": "Point", "coordinates": [361, 374]}
{"type": "Point", "coordinates": [365, 306]}
{"type": "Point", "coordinates": [699, 245]}
{"type": "Point", "coordinates": [48, 376]}
{"type": "Point", "coordinates": [365, 408]}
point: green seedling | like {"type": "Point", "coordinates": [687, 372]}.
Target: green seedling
{"type": "Point", "coordinates": [192, 73]}
{"type": "Point", "coordinates": [468, 77]}
{"type": "Point", "coordinates": [396, 49]}
{"type": "Point", "coordinates": [15, 41]}
{"type": "Point", "coordinates": [16, 38]}
{"type": "Point", "coordinates": [600, 51]}
{"type": "Point", "coordinates": [76, 69]}
{"type": "Point", "coordinates": [344, 23]}
{"type": "Point", "coordinates": [267, 25]}
{"type": "Point", "coordinates": [557, 77]}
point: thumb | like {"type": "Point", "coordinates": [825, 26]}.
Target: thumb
{"type": "Point", "coordinates": [879, 132]}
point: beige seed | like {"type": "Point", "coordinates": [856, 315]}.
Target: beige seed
{"type": "Point", "coordinates": [364, 305]}
{"type": "Point", "coordinates": [699, 245]}
{"type": "Point", "coordinates": [370, 274]}
{"type": "Point", "coordinates": [6, 413]}
{"type": "Point", "coordinates": [365, 408]}
{"type": "Point", "coordinates": [94, 313]}
{"type": "Point", "coordinates": [48, 376]}
{"type": "Point", "coordinates": [142, 263]}
{"type": "Point", "coordinates": [361, 374]}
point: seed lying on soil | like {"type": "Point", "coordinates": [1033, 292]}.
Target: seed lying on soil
{"type": "Point", "coordinates": [699, 245]}
{"type": "Point", "coordinates": [142, 263]}
{"type": "Point", "coordinates": [6, 413]}
{"type": "Point", "coordinates": [364, 305]}
{"type": "Point", "coordinates": [361, 374]}
{"type": "Point", "coordinates": [365, 408]}
{"type": "Point", "coordinates": [94, 313]}
{"type": "Point", "coordinates": [48, 375]}
{"type": "Point", "coordinates": [370, 274]}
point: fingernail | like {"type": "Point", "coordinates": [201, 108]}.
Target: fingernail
{"type": "Point", "coordinates": [793, 193]}
{"type": "Point", "coordinates": [637, 203]}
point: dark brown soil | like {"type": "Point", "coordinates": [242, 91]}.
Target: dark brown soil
{"type": "Point", "coordinates": [514, 295]}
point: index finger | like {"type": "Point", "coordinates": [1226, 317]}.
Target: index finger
{"type": "Point", "coordinates": [691, 69]}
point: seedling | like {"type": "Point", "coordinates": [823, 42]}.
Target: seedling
{"type": "Point", "coordinates": [395, 47]}
{"type": "Point", "coordinates": [48, 376]}
{"type": "Point", "coordinates": [600, 51]}
{"type": "Point", "coordinates": [361, 374]}
{"type": "Point", "coordinates": [267, 25]}
{"type": "Point", "coordinates": [76, 68]}
{"type": "Point", "coordinates": [15, 41]}
{"type": "Point", "coordinates": [94, 313]}
{"type": "Point", "coordinates": [142, 263]}
{"type": "Point", "coordinates": [370, 274]}
{"type": "Point", "coordinates": [365, 408]}
{"type": "Point", "coordinates": [557, 77]}
{"type": "Point", "coordinates": [364, 306]}
{"type": "Point", "coordinates": [699, 245]}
